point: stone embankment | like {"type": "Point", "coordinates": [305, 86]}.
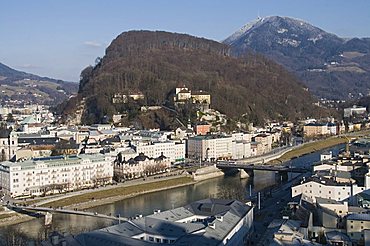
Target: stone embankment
{"type": "Point", "coordinates": [207, 173]}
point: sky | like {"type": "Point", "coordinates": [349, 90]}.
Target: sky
{"type": "Point", "coordinates": [58, 38]}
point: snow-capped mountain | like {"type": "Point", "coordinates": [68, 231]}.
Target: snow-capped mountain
{"type": "Point", "coordinates": [328, 64]}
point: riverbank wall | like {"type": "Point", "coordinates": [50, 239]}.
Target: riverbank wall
{"type": "Point", "coordinates": [205, 173]}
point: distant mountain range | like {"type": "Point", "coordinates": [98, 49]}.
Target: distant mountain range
{"type": "Point", "coordinates": [18, 85]}
{"type": "Point", "coordinates": [155, 63]}
{"type": "Point", "coordinates": [330, 66]}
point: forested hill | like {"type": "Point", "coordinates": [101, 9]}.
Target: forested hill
{"type": "Point", "coordinates": [154, 63]}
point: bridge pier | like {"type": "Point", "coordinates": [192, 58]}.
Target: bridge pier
{"type": "Point", "coordinates": [283, 175]}
{"type": "Point", "coordinates": [245, 174]}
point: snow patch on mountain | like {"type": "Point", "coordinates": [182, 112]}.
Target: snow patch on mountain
{"type": "Point", "coordinates": [288, 41]}
{"type": "Point", "coordinates": [236, 35]}
{"type": "Point", "coordinates": [282, 30]}
{"type": "Point", "coordinates": [315, 39]}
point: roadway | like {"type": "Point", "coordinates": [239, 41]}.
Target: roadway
{"type": "Point", "coordinates": [271, 207]}
{"type": "Point", "coordinates": [64, 211]}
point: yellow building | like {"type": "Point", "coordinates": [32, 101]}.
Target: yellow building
{"type": "Point", "coordinates": [201, 97]}
{"type": "Point", "coordinates": [315, 129]}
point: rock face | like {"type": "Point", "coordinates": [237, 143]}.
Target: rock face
{"type": "Point", "coordinates": [330, 66]}
{"type": "Point", "coordinates": [152, 64]}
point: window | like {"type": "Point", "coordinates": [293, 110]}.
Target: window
{"type": "Point", "coordinates": [165, 240]}
{"type": "Point", "coordinates": [158, 240]}
{"type": "Point", "coordinates": [151, 239]}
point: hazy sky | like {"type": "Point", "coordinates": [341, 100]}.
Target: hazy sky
{"type": "Point", "coordinates": [58, 38]}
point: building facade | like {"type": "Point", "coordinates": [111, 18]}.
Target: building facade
{"type": "Point", "coordinates": [140, 166]}
{"type": "Point", "coordinates": [54, 174]}
{"type": "Point", "coordinates": [357, 224]}
{"type": "Point", "coordinates": [210, 147]}
{"type": "Point", "coordinates": [8, 144]}
{"type": "Point", "coordinates": [175, 151]}
{"type": "Point", "coordinates": [314, 187]}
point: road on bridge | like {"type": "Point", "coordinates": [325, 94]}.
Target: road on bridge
{"type": "Point", "coordinates": [65, 211]}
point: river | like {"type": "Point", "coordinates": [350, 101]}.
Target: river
{"type": "Point", "coordinates": [145, 204]}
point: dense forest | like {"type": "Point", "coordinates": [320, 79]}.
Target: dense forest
{"type": "Point", "coordinates": [154, 63]}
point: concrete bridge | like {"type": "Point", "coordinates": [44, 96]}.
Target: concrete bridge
{"type": "Point", "coordinates": [246, 170]}
{"type": "Point", "coordinates": [274, 154]}
{"type": "Point", "coordinates": [19, 208]}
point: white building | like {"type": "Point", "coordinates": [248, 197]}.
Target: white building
{"type": "Point", "coordinates": [355, 110]}
{"type": "Point", "coordinates": [314, 187]}
{"type": "Point", "coordinates": [50, 174]}
{"type": "Point", "coordinates": [210, 147]}
{"type": "Point", "coordinates": [327, 155]}
{"type": "Point", "coordinates": [241, 149]}
{"type": "Point", "coordinates": [140, 166]}
{"type": "Point", "coordinates": [175, 151]}
{"type": "Point", "coordinates": [213, 147]}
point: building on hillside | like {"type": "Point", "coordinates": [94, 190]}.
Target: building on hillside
{"type": "Point", "coordinates": [140, 166]}
{"type": "Point", "coordinates": [354, 111]}
{"type": "Point", "coordinates": [201, 99]}
{"type": "Point", "coordinates": [202, 128]}
{"type": "Point", "coordinates": [54, 174]}
{"type": "Point", "coordinates": [207, 222]}
{"type": "Point", "coordinates": [123, 97]}
{"type": "Point", "coordinates": [183, 94]}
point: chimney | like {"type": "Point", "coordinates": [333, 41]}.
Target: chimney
{"type": "Point", "coordinates": [212, 225]}
{"type": "Point", "coordinates": [220, 217]}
